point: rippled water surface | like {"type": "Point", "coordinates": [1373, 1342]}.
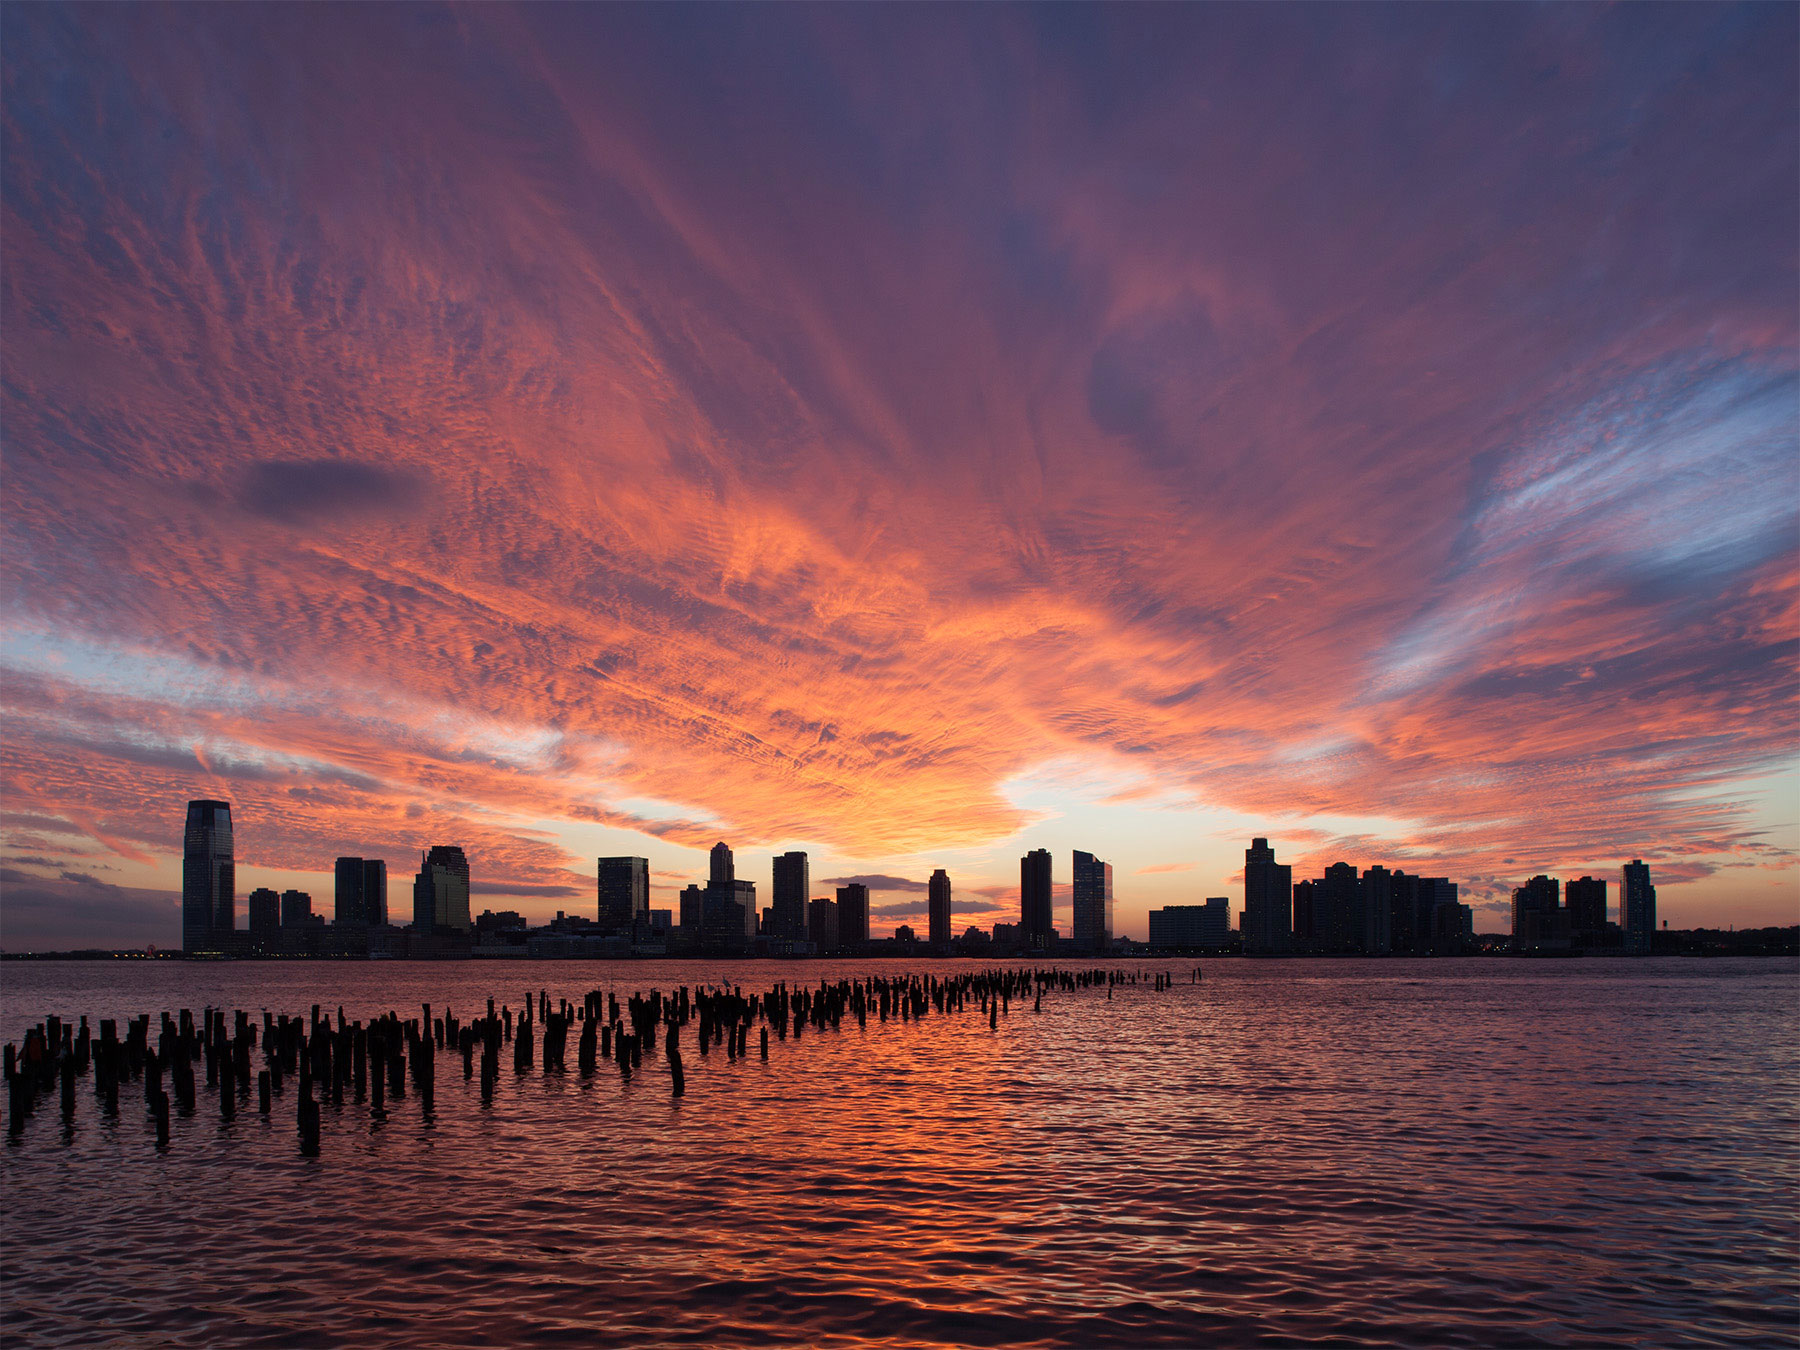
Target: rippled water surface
{"type": "Point", "coordinates": [1479, 1152]}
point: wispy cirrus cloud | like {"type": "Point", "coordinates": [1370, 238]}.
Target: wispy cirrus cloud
{"type": "Point", "coordinates": [815, 423]}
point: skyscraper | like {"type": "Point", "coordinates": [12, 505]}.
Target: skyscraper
{"type": "Point", "coordinates": [1337, 910]}
{"type": "Point", "coordinates": [360, 892]}
{"type": "Point", "coordinates": [347, 908]}
{"type": "Point", "coordinates": [1268, 895]}
{"type": "Point", "coordinates": [265, 917]}
{"type": "Point", "coordinates": [822, 923]}
{"type": "Point", "coordinates": [693, 910]}
{"type": "Point", "coordinates": [296, 909]}
{"type": "Point", "coordinates": [374, 897]}
{"type": "Point", "coordinates": [1093, 923]}
{"type": "Point", "coordinates": [441, 890]}
{"type": "Point", "coordinates": [1538, 921]}
{"type": "Point", "coordinates": [793, 887]}
{"type": "Point", "coordinates": [1637, 907]}
{"type": "Point", "coordinates": [624, 891]}
{"type": "Point", "coordinates": [937, 893]}
{"type": "Point", "coordinates": [1036, 921]}
{"type": "Point", "coordinates": [208, 876]}
{"type": "Point", "coordinates": [1586, 897]}
{"type": "Point", "coordinates": [724, 872]}
{"type": "Point", "coordinates": [852, 917]}
{"type": "Point", "coordinates": [1375, 937]}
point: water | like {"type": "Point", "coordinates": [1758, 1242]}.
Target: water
{"type": "Point", "coordinates": [1331, 1152]}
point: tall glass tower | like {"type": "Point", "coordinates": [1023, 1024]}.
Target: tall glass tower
{"type": "Point", "coordinates": [208, 876]}
{"type": "Point", "coordinates": [1036, 915]}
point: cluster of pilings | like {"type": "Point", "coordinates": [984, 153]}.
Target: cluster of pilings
{"type": "Point", "coordinates": [327, 1060]}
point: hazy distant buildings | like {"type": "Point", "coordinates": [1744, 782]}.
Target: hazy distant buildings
{"type": "Point", "coordinates": [360, 899]}
{"type": "Point", "coordinates": [852, 917]}
{"type": "Point", "coordinates": [441, 891]}
{"type": "Point", "coordinates": [793, 888]}
{"type": "Point", "coordinates": [1268, 894]}
{"type": "Point", "coordinates": [622, 892]}
{"type": "Point", "coordinates": [1637, 907]}
{"type": "Point", "coordinates": [1189, 927]}
{"type": "Point", "coordinates": [1036, 910]}
{"type": "Point", "coordinates": [937, 908]}
{"type": "Point", "coordinates": [208, 876]}
{"type": "Point", "coordinates": [1093, 903]}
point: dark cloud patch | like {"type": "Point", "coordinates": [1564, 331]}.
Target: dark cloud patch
{"type": "Point", "coordinates": [315, 491]}
{"type": "Point", "coordinates": [60, 915]}
{"type": "Point", "coordinates": [877, 881]}
{"type": "Point", "coordinates": [520, 888]}
{"type": "Point", "coordinates": [918, 909]}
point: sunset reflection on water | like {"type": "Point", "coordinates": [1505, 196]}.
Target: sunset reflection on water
{"type": "Point", "coordinates": [1454, 1152]}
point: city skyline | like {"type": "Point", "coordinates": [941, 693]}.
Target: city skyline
{"type": "Point", "coordinates": [1371, 911]}
{"type": "Point", "coordinates": [1131, 425]}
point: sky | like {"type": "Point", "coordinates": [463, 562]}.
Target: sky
{"type": "Point", "coordinates": [913, 435]}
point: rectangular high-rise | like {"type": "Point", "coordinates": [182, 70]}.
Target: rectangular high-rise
{"type": "Point", "coordinates": [793, 887]}
{"type": "Point", "coordinates": [937, 908]}
{"type": "Point", "coordinates": [623, 888]}
{"type": "Point", "coordinates": [822, 923]}
{"type": "Point", "coordinates": [1093, 903]}
{"type": "Point", "coordinates": [1268, 895]}
{"type": "Point", "coordinates": [1185, 927]}
{"type": "Point", "coordinates": [852, 917]}
{"type": "Point", "coordinates": [441, 890]}
{"type": "Point", "coordinates": [1586, 901]}
{"type": "Point", "coordinates": [1637, 907]}
{"type": "Point", "coordinates": [360, 892]}
{"type": "Point", "coordinates": [208, 876]}
{"type": "Point", "coordinates": [296, 909]}
{"type": "Point", "coordinates": [1036, 908]}
{"type": "Point", "coordinates": [1539, 923]}
{"type": "Point", "coordinates": [265, 917]}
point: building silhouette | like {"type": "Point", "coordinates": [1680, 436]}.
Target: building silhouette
{"type": "Point", "coordinates": [208, 877]}
{"type": "Point", "coordinates": [937, 908]}
{"type": "Point", "coordinates": [1093, 903]}
{"type": "Point", "coordinates": [723, 868]}
{"type": "Point", "coordinates": [822, 923]}
{"type": "Point", "coordinates": [1375, 926]}
{"type": "Point", "coordinates": [296, 909]}
{"type": "Point", "coordinates": [441, 891]}
{"type": "Point", "coordinates": [793, 887]}
{"type": "Point", "coordinates": [623, 891]}
{"type": "Point", "coordinates": [852, 917]}
{"type": "Point", "coordinates": [1539, 922]}
{"type": "Point", "coordinates": [728, 906]}
{"type": "Point", "coordinates": [1188, 927]}
{"type": "Point", "coordinates": [1637, 907]}
{"type": "Point", "coordinates": [1037, 928]}
{"type": "Point", "coordinates": [1268, 895]}
{"type": "Point", "coordinates": [360, 893]}
{"type": "Point", "coordinates": [1586, 901]}
{"type": "Point", "coordinates": [692, 908]}
{"type": "Point", "coordinates": [265, 917]}
{"type": "Point", "coordinates": [1337, 917]}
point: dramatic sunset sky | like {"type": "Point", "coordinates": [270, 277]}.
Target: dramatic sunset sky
{"type": "Point", "coordinates": [915, 435]}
